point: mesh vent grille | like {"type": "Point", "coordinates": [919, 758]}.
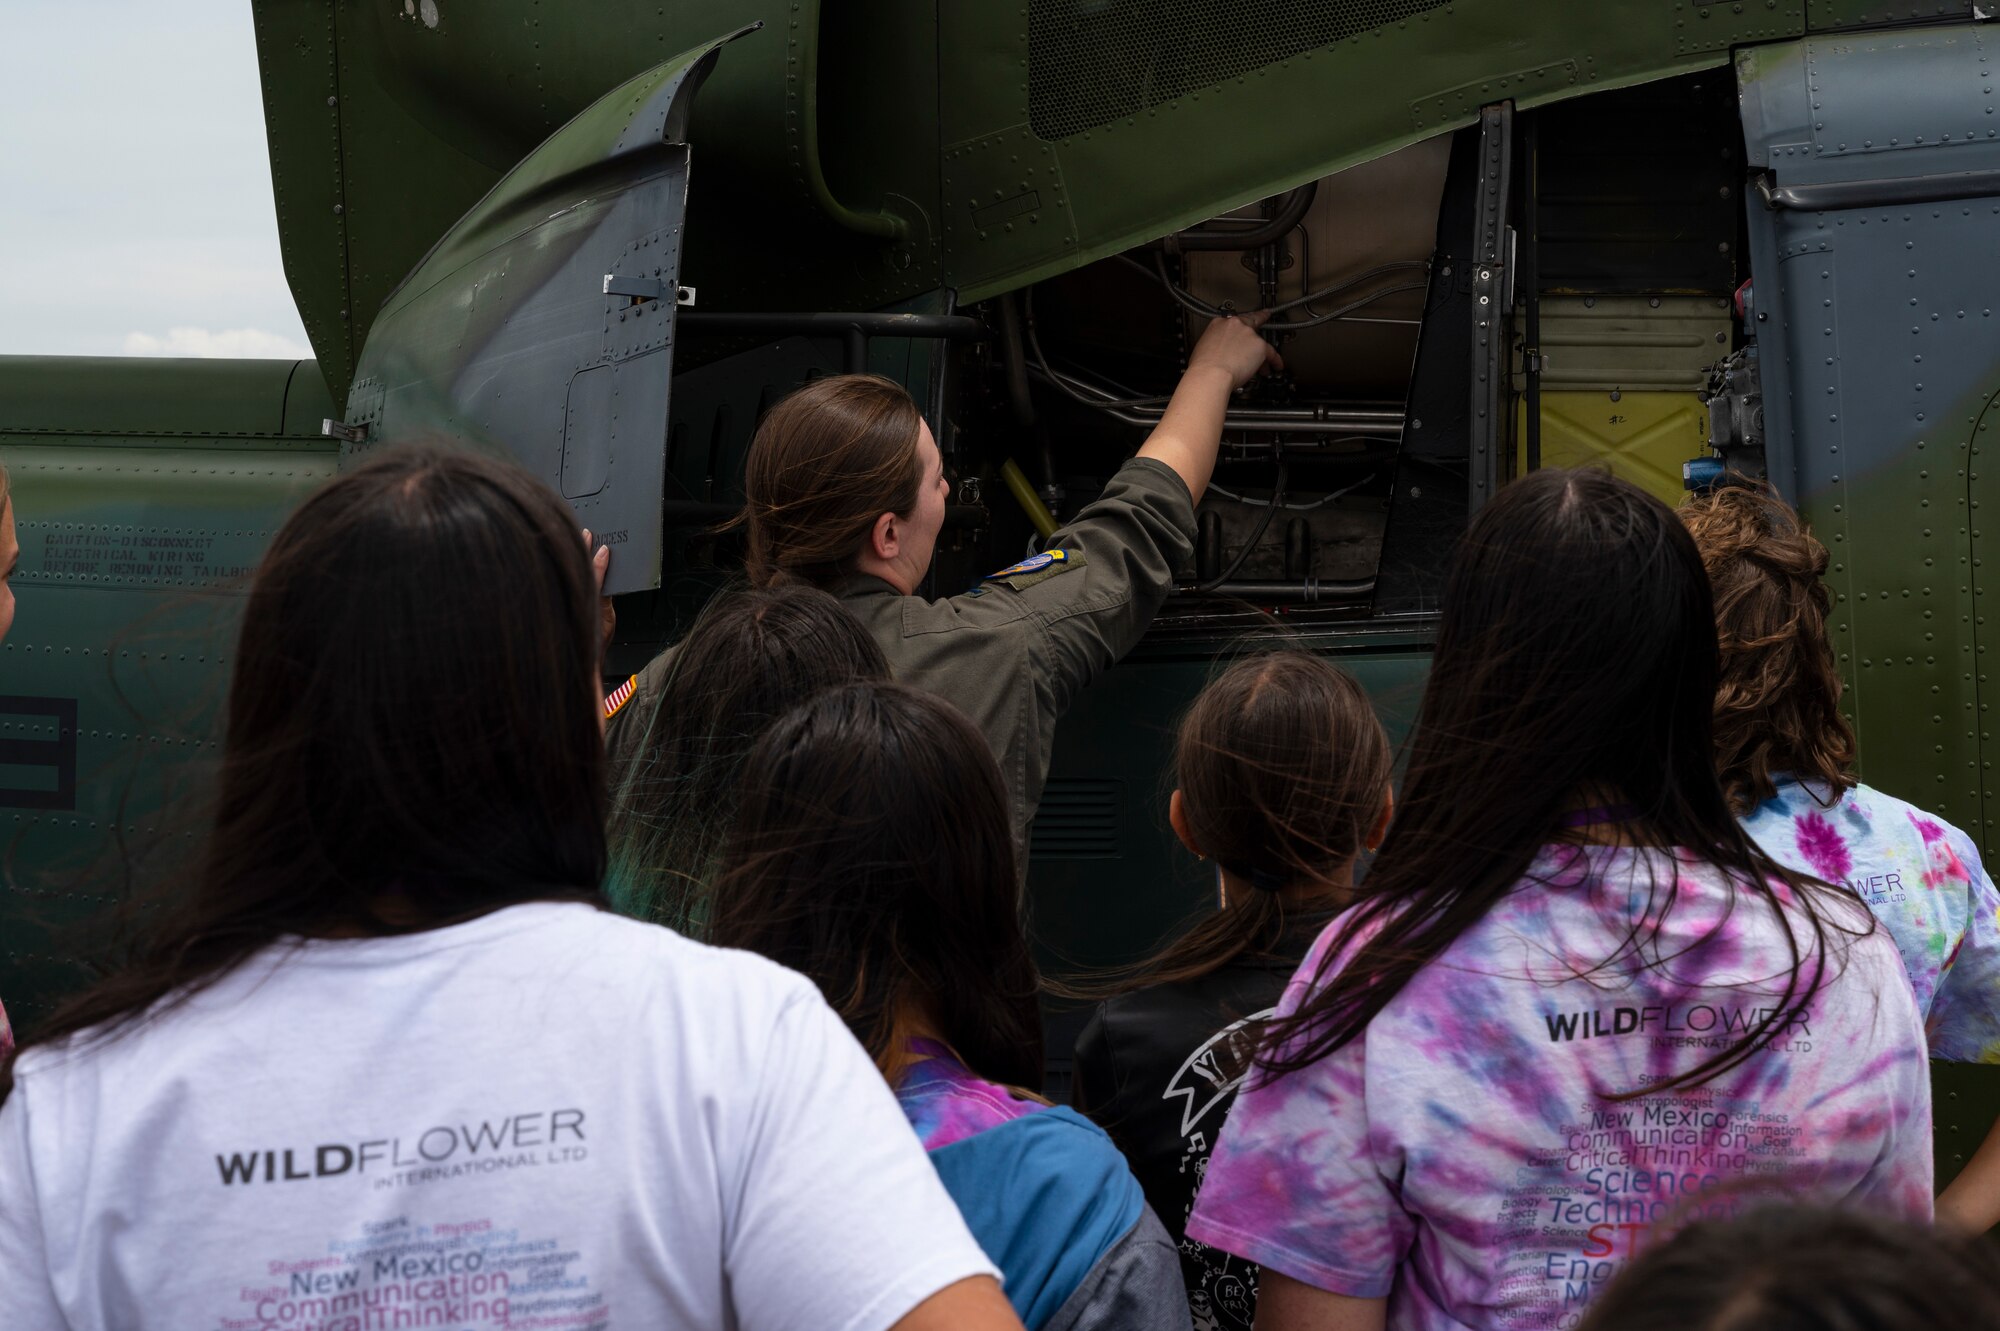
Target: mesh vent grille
{"type": "Point", "coordinates": [1077, 820]}
{"type": "Point", "coordinates": [1093, 61]}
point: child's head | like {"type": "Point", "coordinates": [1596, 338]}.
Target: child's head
{"type": "Point", "coordinates": [751, 657]}
{"type": "Point", "coordinates": [1783, 1268]}
{"type": "Point", "coordinates": [872, 852]}
{"type": "Point", "coordinates": [1573, 679]}
{"type": "Point", "coordinates": [1777, 705]}
{"type": "Point", "coordinates": [1283, 773]}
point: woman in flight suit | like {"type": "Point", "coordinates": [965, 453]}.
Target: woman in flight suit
{"type": "Point", "coordinates": [845, 490]}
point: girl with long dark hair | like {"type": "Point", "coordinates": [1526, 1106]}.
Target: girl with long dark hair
{"type": "Point", "coordinates": [1282, 780]}
{"type": "Point", "coordinates": [872, 852]}
{"type": "Point", "coordinates": [1574, 998]}
{"type": "Point", "coordinates": [751, 656]}
{"type": "Point", "coordinates": [387, 1060]}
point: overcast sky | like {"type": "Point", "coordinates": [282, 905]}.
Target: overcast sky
{"type": "Point", "coordinates": [135, 193]}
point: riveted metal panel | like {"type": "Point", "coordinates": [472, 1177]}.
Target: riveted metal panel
{"type": "Point", "coordinates": [1827, 14]}
{"type": "Point", "coordinates": [135, 551]}
{"type": "Point", "coordinates": [1004, 196]}
{"type": "Point", "coordinates": [541, 325]}
{"type": "Point", "coordinates": [1700, 27]}
{"type": "Point", "coordinates": [1880, 338]}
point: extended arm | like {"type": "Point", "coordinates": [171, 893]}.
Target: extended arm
{"type": "Point", "coordinates": [1285, 1304]}
{"type": "Point", "coordinates": [975, 1305]}
{"type": "Point", "coordinates": [1229, 355]}
{"type": "Point", "coordinates": [1971, 1202]}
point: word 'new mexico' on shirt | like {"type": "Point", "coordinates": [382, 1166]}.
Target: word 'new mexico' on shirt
{"type": "Point", "coordinates": [548, 1117]}
{"type": "Point", "coordinates": [1923, 880]}
{"type": "Point", "coordinates": [1465, 1158]}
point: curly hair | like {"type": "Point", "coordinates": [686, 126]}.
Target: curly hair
{"type": "Point", "coordinates": [1777, 703]}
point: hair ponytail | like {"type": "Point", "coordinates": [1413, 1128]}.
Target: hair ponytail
{"type": "Point", "coordinates": [825, 463]}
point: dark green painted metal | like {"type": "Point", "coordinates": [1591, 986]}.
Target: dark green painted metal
{"type": "Point", "coordinates": [513, 334]}
{"type": "Point", "coordinates": [384, 128]}
{"type": "Point", "coordinates": [144, 492]}
{"type": "Point", "coordinates": [1881, 355]}
{"type": "Point", "coordinates": [1831, 14]}
{"type": "Point", "coordinates": [1106, 189]}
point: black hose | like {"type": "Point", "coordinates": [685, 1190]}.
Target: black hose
{"type": "Point", "coordinates": [1263, 525]}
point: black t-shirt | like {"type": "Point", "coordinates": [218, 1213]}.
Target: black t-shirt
{"type": "Point", "coordinates": [1153, 1069]}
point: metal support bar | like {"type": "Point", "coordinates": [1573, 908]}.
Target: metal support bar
{"type": "Point", "coordinates": [1531, 282]}
{"type": "Point", "coordinates": [1489, 282]}
{"type": "Point", "coordinates": [1939, 188]}
{"type": "Point", "coordinates": [1304, 591]}
{"type": "Point", "coordinates": [854, 330]}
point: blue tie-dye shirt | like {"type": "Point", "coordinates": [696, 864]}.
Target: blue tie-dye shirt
{"type": "Point", "coordinates": [1471, 1157]}
{"type": "Point", "coordinates": [1922, 878]}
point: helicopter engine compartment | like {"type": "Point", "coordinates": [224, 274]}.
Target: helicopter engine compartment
{"type": "Point", "coordinates": [1552, 287]}
{"type": "Point", "coordinates": [1296, 510]}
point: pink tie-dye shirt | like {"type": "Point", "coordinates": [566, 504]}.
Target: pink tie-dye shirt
{"type": "Point", "coordinates": [1922, 878]}
{"type": "Point", "coordinates": [1465, 1158]}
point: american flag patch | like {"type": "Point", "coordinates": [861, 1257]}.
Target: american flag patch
{"type": "Point", "coordinates": [619, 696]}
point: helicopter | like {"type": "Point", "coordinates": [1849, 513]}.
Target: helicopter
{"type": "Point", "coordinates": [1663, 237]}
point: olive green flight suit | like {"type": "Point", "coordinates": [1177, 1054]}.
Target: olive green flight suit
{"type": "Point", "coordinates": [1014, 652]}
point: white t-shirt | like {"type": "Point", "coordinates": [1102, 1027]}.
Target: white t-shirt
{"type": "Point", "coordinates": [549, 1117]}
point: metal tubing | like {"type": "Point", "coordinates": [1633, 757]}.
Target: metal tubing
{"type": "Point", "coordinates": [882, 224]}
{"type": "Point", "coordinates": [1016, 362]}
{"type": "Point", "coordinates": [1292, 208]}
{"type": "Point", "coordinates": [948, 327]}
{"type": "Point", "coordinates": [1942, 187]}
{"type": "Point", "coordinates": [1031, 503]}
{"type": "Point", "coordinates": [1306, 591]}
{"type": "Point", "coordinates": [1531, 359]}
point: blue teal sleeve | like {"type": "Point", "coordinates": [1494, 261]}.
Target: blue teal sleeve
{"type": "Point", "coordinates": [1047, 1196]}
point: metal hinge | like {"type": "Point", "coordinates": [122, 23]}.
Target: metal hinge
{"type": "Point", "coordinates": [347, 434]}
{"type": "Point", "coordinates": [645, 288]}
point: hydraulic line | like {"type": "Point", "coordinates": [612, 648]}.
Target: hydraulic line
{"type": "Point", "coordinates": [1039, 517]}
{"type": "Point", "coordinates": [1277, 501]}
{"type": "Point", "coordinates": [1320, 502]}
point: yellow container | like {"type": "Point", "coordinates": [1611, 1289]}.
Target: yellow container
{"type": "Point", "coordinates": [1642, 437]}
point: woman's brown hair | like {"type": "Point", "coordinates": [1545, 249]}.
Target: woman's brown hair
{"type": "Point", "coordinates": [1791, 1268]}
{"type": "Point", "coordinates": [1777, 702]}
{"type": "Point", "coordinates": [1282, 767]}
{"type": "Point", "coordinates": [825, 463]}
{"type": "Point", "coordinates": [873, 853]}
{"type": "Point", "coordinates": [413, 731]}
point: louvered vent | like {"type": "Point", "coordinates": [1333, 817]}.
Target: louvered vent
{"type": "Point", "coordinates": [1092, 61]}
{"type": "Point", "coordinates": [1078, 820]}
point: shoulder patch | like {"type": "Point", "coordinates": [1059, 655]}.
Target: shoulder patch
{"type": "Point", "coordinates": [619, 696]}
{"type": "Point", "coordinates": [1032, 563]}
{"type": "Point", "coordinates": [1035, 568]}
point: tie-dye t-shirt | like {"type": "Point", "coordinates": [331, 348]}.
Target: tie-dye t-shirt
{"type": "Point", "coordinates": [1922, 878]}
{"type": "Point", "coordinates": [1465, 1158]}
{"type": "Point", "coordinates": [945, 1103]}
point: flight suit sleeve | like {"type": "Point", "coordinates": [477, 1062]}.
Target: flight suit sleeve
{"type": "Point", "coordinates": [1119, 556]}
{"type": "Point", "coordinates": [626, 724]}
